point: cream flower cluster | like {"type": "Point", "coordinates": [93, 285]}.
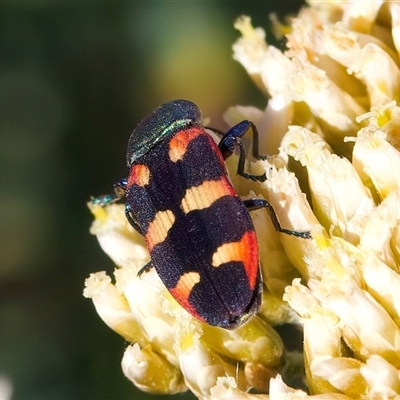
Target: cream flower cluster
{"type": "Point", "coordinates": [333, 122]}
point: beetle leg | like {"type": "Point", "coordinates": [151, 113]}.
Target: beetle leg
{"type": "Point", "coordinates": [119, 189]}
{"type": "Point", "coordinates": [256, 204]}
{"type": "Point", "coordinates": [242, 159]}
{"type": "Point", "coordinates": [146, 268]}
{"type": "Point", "coordinates": [232, 141]}
{"type": "Point", "coordinates": [131, 220]}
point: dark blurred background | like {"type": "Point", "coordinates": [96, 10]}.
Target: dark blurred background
{"type": "Point", "coordinates": [75, 78]}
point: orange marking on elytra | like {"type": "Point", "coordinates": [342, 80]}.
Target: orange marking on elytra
{"type": "Point", "coordinates": [202, 196]}
{"type": "Point", "coordinates": [182, 290]}
{"type": "Point", "coordinates": [139, 175]}
{"type": "Point", "coordinates": [179, 143]}
{"type": "Point", "coordinates": [245, 250]}
{"type": "Point", "coordinates": [158, 228]}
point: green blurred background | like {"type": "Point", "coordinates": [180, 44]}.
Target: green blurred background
{"type": "Point", "coordinates": [75, 78]}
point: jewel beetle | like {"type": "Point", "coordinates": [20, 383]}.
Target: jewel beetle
{"type": "Point", "coordinates": [198, 231]}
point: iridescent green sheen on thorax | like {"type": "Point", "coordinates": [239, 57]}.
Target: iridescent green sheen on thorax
{"type": "Point", "coordinates": [163, 122]}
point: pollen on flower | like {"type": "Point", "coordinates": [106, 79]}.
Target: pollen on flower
{"type": "Point", "coordinates": [116, 237]}
{"type": "Point", "coordinates": [151, 372]}
{"type": "Point", "coordinates": [98, 211]}
{"type": "Point", "coordinates": [96, 283]}
{"type": "Point", "coordinates": [243, 24]}
{"type": "Point", "coordinates": [378, 115]}
{"type": "Point", "coordinates": [250, 48]}
{"type": "Point", "coordinates": [279, 29]}
{"type": "Point", "coordinates": [188, 334]}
